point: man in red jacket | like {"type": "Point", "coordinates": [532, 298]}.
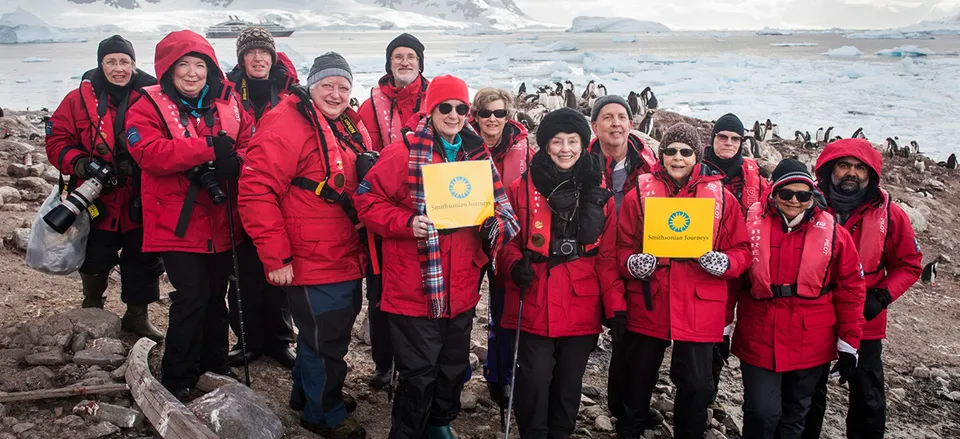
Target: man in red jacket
{"type": "Point", "coordinates": [393, 104]}
{"type": "Point", "coordinates": [626, 155]}
{"type": "Point", "coordinates": [88, 127]}
{"type": "Point", "coordinates": [263, 77]}
{"type": "Point", "coordinates": [848, 173]}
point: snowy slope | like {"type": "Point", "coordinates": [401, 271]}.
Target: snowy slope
{"type": "Point", "coordinates": [20, 26]}
{"type": "Point", "coordinates": [487, 12]}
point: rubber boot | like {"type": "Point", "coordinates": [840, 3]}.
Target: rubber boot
{"type": "Point", "coordinates": [136, 321]}
{"type": "Point", "coordinates": [94, 285]}
{"type": "Point", "coordinates": [440, 432]}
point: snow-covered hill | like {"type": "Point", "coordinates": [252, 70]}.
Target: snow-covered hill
{"type": "Point", "coordinates": [607, 24]}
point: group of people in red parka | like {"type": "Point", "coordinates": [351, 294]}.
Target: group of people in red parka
{"type": "Point", "coordinates": [310, 197]}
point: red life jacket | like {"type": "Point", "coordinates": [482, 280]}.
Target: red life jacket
{"type": "Point", "coordinates": [751, 183]}
{"type": "Point", "coordinates": [816, 256]}
{"type": "Point", "coordinates": [648, 185]}
{"type": "Point", "coordinates": [873, 239]}
{"type": "Point", "coordinates": [228, 111]}
{"type": "Point", "coordinates": [387, 114]}
{"type": "Point", "coordinates": [538, 239]}
{"type": "Point", "coordinates": [104, 125]}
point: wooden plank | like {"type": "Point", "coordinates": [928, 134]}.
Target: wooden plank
{"type": "Point", "coordinates": [167, 414]}
{"type": "Point", "coordinates": [63, 392]}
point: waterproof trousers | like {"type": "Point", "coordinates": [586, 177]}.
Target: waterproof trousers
{"type": "Point", "coordinates": [197, 339]}
{"type": "Point", "coordinates": [267, 325]}
{"type": "Point", "coordinates": [432, 356]}
{"type": "Point", "coordinates": [139, 272]}
{"type": "Point", "coordinates": [549, 380]}
{"type": "Point", "coordinates": [690, 371]}
{"type": "Point", "coordinates": [498, 365]}
{"type": "Point", "coordinates": [776, 403]}
{"type": "Point", "coordinates": [381, 347]}
{"type": "Point", "coordinates": [866, 417]}
{"type": "Point", "coordinates": [325, 315]}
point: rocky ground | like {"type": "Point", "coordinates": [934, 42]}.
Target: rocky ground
{"type": "Point", "coordinates": [37, 313]}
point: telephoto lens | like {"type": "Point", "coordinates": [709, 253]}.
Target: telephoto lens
{"type": "Point", "coordinates": [62, 217]}
{"type": "Point", "coordinates": [209, 182]}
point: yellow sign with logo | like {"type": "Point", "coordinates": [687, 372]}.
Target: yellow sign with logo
{"type": "Point", "coordinates": [458, 194]}
{"type": "Point", "coordinates": [678, 227]}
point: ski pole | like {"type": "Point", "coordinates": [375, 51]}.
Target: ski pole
{"type": "Point", "coordinates": [516, 349]}
{"type": "Point", "coordinates": [236, 285]}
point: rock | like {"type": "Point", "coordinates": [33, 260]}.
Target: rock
{"type": "Point", "coordinates": [236, 411]}
{"type": "Point", "coordinates": [935, 184]}
{"type": "Point", "coordinates": [714, 434]}
{"type": "Point", "coordinates": [107, 346]}
{"type": "Point", "coordinates": [590, 391]}
{"type": "Point", "coordinates": [733, 429]}
{"type": "Point", "coordinates": [468, 400]}
{"type": "Point", "coordinates": [119, 373]}
{"type": "Point", "coordinates": [10, 421]}
{"type": "Point", "coordinates": [663, 405]}
{"type": "Point", "coordinates": [474, 361]}
{"type": "Point", "coordinates": [483, 320]}
{"type": "Point", "coordinates": [587, 401]}
{"type": "Point", "coordinates": [10, 195]}
{"type": "Point", "coordinates": [79, 342]}
{"type": "Point", "coordinates": [13, 207]}
{"type": "Point", "coordinates": [921, 372]}
{"type": "Point", "coordinates": [667, 390]}
{"type": "Point", "coordinates": [936, 372]}
{"type": "Point", "coordinates": [34, 184]}
{"type": "Point", "coordinates": [953, 396]}
{"type": "Point", "coordinates": [7, 436]}
{"type": "Point", "coordinates": [49, 358]}
{"type": "Point", "coordinates": [97, 374]}
{"type": "Point", "coordinates": [94, 381]}
{"type": "Point", "coordinates": [210, 381]}
{"type": "Point", "coordinates": [603, 423]}
{"type": "Point", "coordinates": [17, 170]}
{"type": "Point", "coordinates": [917, 219]}
{"type": "Point", "coordinates": [481, 353]}
{"type": "Point", "coordinates": [95, 322]}
{"type": "Point", "coordinates": [3, 410]}
{"type": "Point", "coordinates": [35, 379]}
{"type": "Point", "coordinates": [51, 175]}
{"type": "Point", "coordinates": [21, 237]}
{"type": "Point", "coordinates": [364, 334]}
{"type": "Point", "coordinates": [898, 393]}
{"type": "Point", "coordinates": [17, 148]}
{"type": "Point", "coordinates": [89, 357]}
{"type": "Point", "coordinates": [114, 414]}
{"type": "Point", "coordinates": [12, 357]}
{"type": "Point", "coordinates": [100, 430]}
{"type": "Point", "coordinates": [56, 331]}
{"type": "Point", "coordinates": [592, 412]}
{"type": "Point", "coordinates": [22, 427]}
{"type": "Point", "coordinates": [37, 171]}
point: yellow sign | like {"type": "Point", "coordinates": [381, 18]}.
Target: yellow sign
{"type": "Point", "coordinates": [678, 227]}
{"type": "Point", "coordinates": [458, 194]}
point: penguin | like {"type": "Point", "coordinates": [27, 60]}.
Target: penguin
{"type": "Point", "coordinates": [776, 131]}
{"type": "Point", "coordinates": [523, 89]}
{"type": "Point", "coordinates": [558, 89]}
{"type": "Point", "coordinates": [601, 90]}
{"type": "Point", "coordinates": [915, 147]}
{"type": "Point", "coordinates": [858, 134]}
{"type": "Point", "coordinates": [588, 92]}
{"type": "Point", "coordinates": [633, 100]}
{"type": "Point", "coordinates": [526, 120]}
{"type": "Point", "coordinates": [768, 127]}
{"type": "Point", "coordinates": [826, 135]}
{"type": "Point", "coordinates": [807, 143]}
{"type": "Point", "coordinates": [753, 148]}
{"type": "Point", "coordinates": [905, 151]}
{"type": "Point", "coordinates": [923, 192]}
{"type": "Point", "coordinates": [354, 103]}
{"type": "Point", "coordinates": [798, 136]}
{"type": "Point", "coordinates": [570, 99]}
{"type": "Point", "coordinates": [820, 134]}
{"type": "Point", "coordinates": [835, 138]}
{"type": "Point", "coordinates": [758, 130]}
{"type": "Point", "coordinates": [952, 161]}
{"type": "Point", "coordinates": [929, 273]}
{"type": "Point", "coordinates": [649, 99]}
{"type": "Point", "coordinates": [646, 125]}
{"type": "Point", "coordinates": [892, 147]}
{"type": "Point", "coordinates": [919, 165]}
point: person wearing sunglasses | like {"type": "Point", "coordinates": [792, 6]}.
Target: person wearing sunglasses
{"type": "Point", "coordinates": [492, 117]}
{"type": "Point", "coordinates": [625, 153]}
{"type": "Point", "coordinates": [848, 173]}
{"type": "Point", "coordinates": [430, 288]}
{"type": "Point", "coordinates": [802, 306]}
{"type": "Point", "coordinates": [682, 301]}
{"type": "Point", "coordinates": [741, 176]}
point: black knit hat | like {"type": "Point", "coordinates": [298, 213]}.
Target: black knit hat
{"type": "Point", "coordinates": [728, 122]}
{"type": "Point", "coordinates": [791, 171]}
{"type": "Point", "coordinates": [255, 37]}
{"type": "Point", "coordinates": [564, 120]}
{"type": "Point", "coordinates": [607, 100]}
{"type": "Point", "coordinates": [329, 64]}
{"type": "Point", "coordinates": [685, 133]}
{"type": "Point", "coordinates": [115, 44]}
{"type": "Point", "coordinates": [405, 40]}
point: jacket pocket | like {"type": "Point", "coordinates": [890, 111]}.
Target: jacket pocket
{"type": "Point", "coordinates": [819, 320]}
{"type": "Point", "coordinates": [819, 337]}
{"type": "Point", "coordinates": [587, 287]}
{"type": "Point", "coordinates": [710, 307]}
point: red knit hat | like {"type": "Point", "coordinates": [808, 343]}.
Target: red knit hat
{"type": "Point", "coordinates": [443, 88]}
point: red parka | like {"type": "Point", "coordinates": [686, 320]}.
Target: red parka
{"type": "Point", "coordinates": [283, 76]}
{"type": "Point", "coordinates": [72, 132]}
{"type": "Point", "coordinates": [882, 231]}
{"type": "Point", "coordinates": [165, 156]}
{"type": "Point", "coordinates": [747, 185]}
{"type": "Point", "coordinates": [396, 108]}
{"type": "Point", "coordinates": [570, 298]}
{"type": "Point", "coordinates": [794, 333]}
{"type": "Point", "coordinates": [643, 160]}
{"type": "Point", "coordinates": [385, 206]}
{"type": "Point", "coordinates": [689, 304]}
{"type": "Point", "coordinates": [512, 154]}
{"type": "Point", "coordinates": [292, 225]}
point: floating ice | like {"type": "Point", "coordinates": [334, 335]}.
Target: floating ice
{"type": "Point", "coordinates": [606, 24]}
{"type": "Point", "coordinates": [20, 26]}
{"type": "Point", "coordinates": [794, 44]}
{"type": "Point", "coordinates": [559, 46]}
{"type": "Point", "coordinates": [769, 31]}
{"type": "Point", "coordinates": [599, 64]}
{"type": "Point", "coordinates": [36, 59]}
{"type": "Point", "coordinates": [843, 51]}
{"type": "Point", "coordinates": [910, 66]}
{"type": "Point", "coordinates": [903, 51]}
{"type": "Point", "coordinates": [624, 39]}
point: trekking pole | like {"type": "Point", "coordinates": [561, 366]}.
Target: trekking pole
{"type": "Point", "coordinates": [497, 335]}
{"type": "Point", "coordinates": [393, 374]}
{"type": "Point", "coordinates": [516, 349]}
{"type": "Point", "coordinates": [236, 284]}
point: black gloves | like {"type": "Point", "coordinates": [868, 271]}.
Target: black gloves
{"type": "Point", "coordinates": [222, 146]}
{"type": "Point", "coordinates": [618, 326]}
{"type": "Point", "coordinates": [227, 168]}
{"type": "Point", "coordinates": [486, 229]}
{"type": "Point", "coordinates": [80, 166]}
{"type": "Point", "coordinates": [877, 300]}
{"type": "Point", "coordinates": [522, 274]}
{"type": "Point", "coordinates": [722, 350]}
{"type": "Point", "coordinates": [846, 366]}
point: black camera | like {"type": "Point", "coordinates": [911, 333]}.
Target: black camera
{"type": "Point", "coordinates": [62, 217]}
{"type": "Point", "coordinates": [207, 178]}
{"type": "Point", "coordinates": [565, 248]}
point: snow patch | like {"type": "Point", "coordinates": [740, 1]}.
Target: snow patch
{"type": "Point", "coordinates": [910, 66]}
{"type": "Point", "coordinates": [559, 46]}
{"type": "Point", "coordinates": [600, 64]}
{"type": "Point", "coordinates": [771, 31]}
{"type": "Point", "coordinates": [36, 59]}
{"type": "Point", "coordinates": [606, 24]}
{"type": "Point", "coordinates": [624, 39]}
{"type": "Point", "coordinates": [794, 44]}
{"type": "Point", "coordinates": [21, 26]}
{"type": "Point", "coordinates": [843, 51]}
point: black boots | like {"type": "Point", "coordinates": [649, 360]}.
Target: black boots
{"type": "Point", "coordinates": [94, 285]}
{"type": "Point", "coordinates": [137, 322]}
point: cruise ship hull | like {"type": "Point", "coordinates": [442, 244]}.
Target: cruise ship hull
{"type": "Point", "coordinates": [236, 33]}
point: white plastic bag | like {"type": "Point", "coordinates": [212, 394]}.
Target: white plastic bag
{"type": "Point", "coordinates": [52, 253]}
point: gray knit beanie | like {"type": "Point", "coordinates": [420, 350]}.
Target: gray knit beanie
{"type": "Point", "coordinates": [604, 101]}
{"type": "Point", "coordinates": [329, 64]}
{"type": "Point", "coordinates": [682, 133]}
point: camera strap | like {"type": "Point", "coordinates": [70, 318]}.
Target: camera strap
{"type": "Point", "coordinates": [187, 209]}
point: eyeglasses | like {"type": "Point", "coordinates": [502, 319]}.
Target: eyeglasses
{"type": "Point", "coordinates": [487, 113]}
{"type": "Point", "coordinates": [446, 108]}
{"type": "Point", "coordinates": [725, 138]}
{"type": "Point", "coordinates": [113, 63]}
{"type": "Point", "coordinates": [670, 152]}
{"type": "Point", "coordinates": [787, 194]}
{"type": "Point", "coordinates": [411, 58]}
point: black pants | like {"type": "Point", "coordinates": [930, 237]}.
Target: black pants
{"type": "Point", "coordinates": [197, 339]}
{"type": "Point", "coordinates": [690, 371]}
{"type": "Point", "coordinates": [867, 416]}
{"type": "Point", "coordinates": [432, 356]}
{"type": "Point", "coordinates": [499, 362]}
{"type": "Point", "coordinates": [267, 325]}
{"type": "Point", "coordinates": [776, 403]}
{"type": "Point", "coordinates": [549, 381]}
{"type": "Point", "coordinates": [381, 348]}
{"type": "Point", "coordinates": [139, 272]}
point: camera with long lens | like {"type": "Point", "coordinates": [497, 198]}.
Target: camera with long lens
{"type": "Point", "coordinates": [101, 175]}
{"type": "Point", "coordinates": [205, 176]}
{"type": "Point", "coordinates": [565, 248]}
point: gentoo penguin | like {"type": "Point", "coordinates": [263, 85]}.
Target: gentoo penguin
{"type": "Point", "coordinates": [768, 130]}
{"type": "Point", "coordinates": [929, 273]}
{"type": "Point", "coordinates": [633, 100]}
{"type": "Point", "coordinates": [570, 99]}
{"type": "Point", "coordinates": [758, 130]}
{"type": "Point", "coordinates": [776, 131]}
{"type": "Point", "coordinates": [919, 165]}
{"type": "Point", "coordinates": [558, 89]}
{"type": "Point", "coordinates": [924, 192]}
{"type": "Point", "coordinates": [601, 90]}
{"type": "Point", "coordinates": [892, 147]}
{"type": "Point", "coordinates": [753, 147]}
{"type": "Point", "coordinates": [858, 134]}
{"type": "Point", "coordinates": [588, 92]}
{"type": "Point", "coordinates": [915, 147]}
{"type": "Point", "coordinates": [807, 143]}
{"type": "Point", "coordinates": [649, 99]}
{"type": "Point", "coordinates": [826, 135]}
{"type": "Point", "coordinates": [646, 125]}
{"type": "Point", "coordinates": [354, 103]}
{"type": "Point", "coordinates": [798, 136]}
{"type": "Point", "coordinates": [523, 89]}
{"type": "Point", "coordinates": [952, 161]}
{"type": "Point", "coordinates": [820, 133]}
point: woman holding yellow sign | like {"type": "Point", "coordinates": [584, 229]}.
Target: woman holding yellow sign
{"type": "Point", "coordinates": [680, 237]}
{"type": "Point", "coordinates": [430, 276]}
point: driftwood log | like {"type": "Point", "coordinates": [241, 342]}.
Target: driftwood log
{"type": "Point", "coordinates": [167, 414]}
{"type": "Point", "coordinates": [62, 392]}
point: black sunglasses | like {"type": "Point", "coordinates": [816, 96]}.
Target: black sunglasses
{"type": "Point", "coordinates": [446, 108]}
{"type": "Point", "coordinates": [487, 113]}
{"type": "Point", "coordinates": [724, 138]}
{"type": "Point", "coordinates": [670, 152]}
{"type": "Point", "coordinates": [787, 194]}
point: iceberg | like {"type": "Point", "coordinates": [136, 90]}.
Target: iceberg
{"type": "Point", "coordinates": [35, 59]}
{"type": "Point", "coordinates": [769, 31]}
{"type": "Point", "coordinates": [889, 34]}
{"type": "Point", "coordinates": [606, 24]}
{"type": "Point", "coordinates": [793, 44]}
{"type": "Point", "coordinates": [624, 39]}
{"type": "Point", "coordinates": [559, 46]}
{"type": "Point", "coordinates": [20, 27]}
{"type": "Point", "coordinates": [903, 51]}
{"type": "Point", "coordinates": [843, 51]}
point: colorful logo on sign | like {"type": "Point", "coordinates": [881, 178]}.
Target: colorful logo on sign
{"type": "Point", "coordinates": [459, 187]}
{"type": "Point", "coordinates": [678, 221]}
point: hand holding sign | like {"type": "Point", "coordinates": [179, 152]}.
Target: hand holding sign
{"type": "Point", "coordinates": [458, 194]}
{"type": "Point", "coordinates": [678, 227]}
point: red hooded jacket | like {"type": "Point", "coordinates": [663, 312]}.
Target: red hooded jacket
{"type": "Point", "coordinates": [794, 333]}
{"type": "Point", "coordinates": [396, 108]}
{"type": "Point", "coordinates": [72, 133]}
{"type": "Point", "coordinates": [283, 76]}
{"type": "Point", "coordinates": [689, 304]}
{"type": "Point", "coordinates": [165, 155]}
{"type": "Point", "coordinates": [513, 153]}
{"type": "Point", "coordinates": [882, 231]}
{"type": "Point", "coordinates": [291, 225]}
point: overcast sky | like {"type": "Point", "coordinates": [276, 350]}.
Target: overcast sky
{"type": "Point", "coordinates": [750, 14]}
